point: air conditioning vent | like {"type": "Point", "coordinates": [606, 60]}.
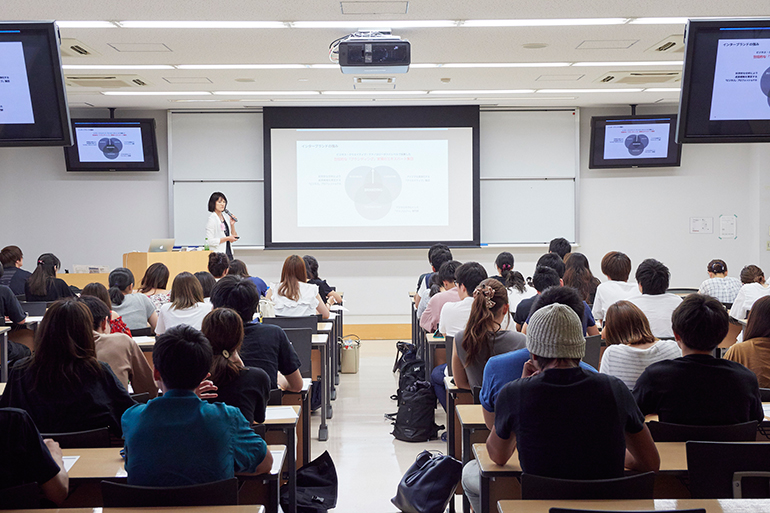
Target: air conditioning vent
{"type": "Point", "coordinates": [672, 44]}
{"type": "Point", "coordinates": [640, 77]}
{"type": "Point", "coordinates": [74, 48]}
{"type": "Point", "coordinates": [608, 78]}
{"type": "Point", "coordinates": [105, 81]}
{"type": "Point", "coordinates": [370, 83]}
{"type": "Point", "coordinates": [139, 82]}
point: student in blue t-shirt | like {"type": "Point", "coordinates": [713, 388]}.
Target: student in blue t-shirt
{"type": "Point", "coordinates": [178, 439]}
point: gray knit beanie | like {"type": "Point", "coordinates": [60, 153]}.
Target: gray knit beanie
{"type": "Point", "coordinates": [555, 331]}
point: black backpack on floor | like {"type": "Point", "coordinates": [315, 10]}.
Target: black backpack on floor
{"type": "Point", "coordinates": [414, 421]}
{"type": "Point", "coordinates": [410, 368]}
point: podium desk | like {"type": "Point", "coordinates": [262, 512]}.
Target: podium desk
{"type": "Point", "coordinates": [176, 261]}
{"type": "Point", "coordinates": [80, 280]}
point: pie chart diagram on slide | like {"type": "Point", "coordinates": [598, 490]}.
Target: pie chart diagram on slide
{"type": "Point", "coordinates": [373, 190]}
{"type": "Point", "coordinates": [110, 146]}
{"type": "Point", "coordinates": [636, 144]}
{"type": "Point", "coordinates": [764, 84]}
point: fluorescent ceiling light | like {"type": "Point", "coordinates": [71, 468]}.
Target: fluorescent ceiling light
{"type": "Point", "coordinates": [505, 64]}
{"type": "Point", "coordinates": [373, 25]}
{"type": "Point", "coordinates": [155, 93]}
{"type": "Point", "coordinates": [241, 66]}
{"type": "Point", "coordinates": [663, 90]}
{"type": "Point", "coordinates": [544, 22]}
{"type": "Point", "coordinates": [324, 66]}
{"type": "Point", "coordinates": [424, 65]}
{"type": "Point", "coordinates": [363, 93]}
{"type": "Point", "coordinates": [85, 24]}
{"type": "Point", "coordinates": [578, 91]}
{"type": "Point", "coordinates": [627, 64]}
{"type": "Point", "coordinates": [485, 91]}
{"type": "Point", "coordinates": [659, 21]}
{"type": "Point", "coordinates": [203, 24]}
{"type": "Point", "coordinates": [265, 93]}
{"type": "Point", "coordinates": [117, 66]}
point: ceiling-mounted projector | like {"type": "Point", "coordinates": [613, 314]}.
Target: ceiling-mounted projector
{"type": "Point", "coordinates": [374, 53]}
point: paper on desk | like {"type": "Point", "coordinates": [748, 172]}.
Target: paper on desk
{"type": "Point", "coordinates": [766, 407]}
{"type": "Point", "coordinates": [339, 308]}
{"type": "Point", "coordinates": [277, 459]}
{"type": "Point", "coordinates": [122, 473]}
{"type": "Point", "coordinates": [69, 461]}
{"type": "Point", "coordinates": [280, 412]}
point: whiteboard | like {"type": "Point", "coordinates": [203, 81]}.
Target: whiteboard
{"type": "Point", "coordinates": [223, 151]}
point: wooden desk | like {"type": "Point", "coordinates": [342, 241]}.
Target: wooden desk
{"type": "Point", "coordinates": [455, 396]}
{"type": "Point", "coordinates": [287, 426]}
{"type": "Point", "coordinates": [176, 261]}
{"type": "Point", "coordinates": [301, 399]}
{"type": "Point", "coordinates": [320, 342]}
{"type": "Point", "coordinates": [673, 462]}
{"type": "Point", "coordinates": [710, 505]}
{"type": "Point", "coordinates": [80, 280]}
{"type": "Point", "coordinates": [4, 353]}
{"type": "Point", "coordinates": [431, 344]}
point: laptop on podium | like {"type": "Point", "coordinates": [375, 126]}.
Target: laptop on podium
{"type": "Point", "coordinates": [161, 245]}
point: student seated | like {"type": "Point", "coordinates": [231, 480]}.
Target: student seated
{"type": "Point", "coordinates": [754, 287]}
{"type": "Point", "coordinates": [294, 296]}
{"type": "Point", "coordinates": [99, 291]}
{"type": "Point", "coordinates": [186, 306]}
{"type": "Point", "coordinates": [14, 277]}
{"type": "Point", "coordinates": [119, 351]}
{"type": "Point", "coordinates": [560, 246]}
{"type": "Point", "coordinates": [720, 286]}
{"type": "Point", "coordinates": [589, 325]}
{"type": "Point", "coordinates": [246, 388]}
{"type": "Point", "coordinates": [207, 282]}
{"type": "Point", "coordinates": [512, 280]}
{"type": "Point", "coordinates": [238, 268]}
{"type": "Point", "coordinates": [698, 389]}
{"type": "Point", "coordinates": [11, 308]}
{"type": "Point", "coordinates": [450, 294]}
{"type": "Point", "coordinates": [631, 346]}
{"type": "Point", "coordinates": [27, 458]}
{"type": "Point", "coordinates": [437, 255]}
{"type": "Point", "coordinates": [43, 285]}
{"type": "Point", "coordinates": [136, 309]}
{"type": "Point", "coordinates": [657, 305]}
{"type": "Point", "coordinates": [63, 387]}
{"type": "Point", "coordinates": [566, 422]}
{"type": "Point", "coordinates": [616, 266]}
{"type": "Point", "coordinates": [219, 265]}
{"type": "Point", "coordinates": [264, 345]}
{"type": "Point", "coordinates": [454, 316]}
{"type": "Point", "coordinates": [180, 440]}
{"type": "Point", "coordinates": [754, 352]}
{"type": "Point", "coordinates": [577, 274]}
{"type": "Point", "coordinates": [154, 283]}
{"type": "Point", "coordinates": [543, 278]}
{"type": "Point", "coordinates": [325, 290]}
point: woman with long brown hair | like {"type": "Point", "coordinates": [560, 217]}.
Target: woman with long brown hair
{"type": "Point", "coordinates": [293, 296]}
{"type": "Point", "coordinates": [631, 346]}
{"type": "Point", "coordinates": [62, 386]}
{"type": "Point", "coordinates": [100, 291]}
{"type": "Point", "coordinates": [186, 306]}
{"type": "Point", "coordinates": [483, 337]}
{"type": "Point", "coordinates": [754, 352]}
{"type": "Point", "coordinates": [577, 274]}
{"type": "Point", "coordinates": [154, 283]}
{"type": "Point", "coordinates": [246, 388]}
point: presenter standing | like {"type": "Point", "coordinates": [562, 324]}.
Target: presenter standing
{"type": "Point", "coordinates": [220, 227]}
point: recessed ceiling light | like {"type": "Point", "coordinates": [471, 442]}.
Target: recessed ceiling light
{"type": "Point", "coordinates": [265, 93]}
{"type": "Point", "coordinates": [358, 93]}
{"type": "Point", "coordinates": [505, 64]}
{"type": "Point", "coordinates": [117, 66]}
{"type": "Point", "coordinates": [544, 22]}
{"type": "Point", "coordinates": [324, 66]}
{"type": "Point", "coordinates": [579, 91]}
{"type": "Point", "coordinates": [627, 64]}
{"type": "Point", "coordinates": [659, 21]}
{"type": "Point", "coordinates": [484, 91]}
{"type": "Point", "coordinates": [156, 93]}
{"type": "Point", "coordinates": [85, 24]}
{"type": "Point", "coordinates": [371, 25]}
{"type": "Point", "coordinates": [241, 66]}
{"type": "Point", "coordinates": [662, 90]}
{"type": "Point", "coordinates": [245, 80]}
{"type": "Point", "coordinates": [424, 65]}
{"type": "Point", "coordinates": [203, 24]}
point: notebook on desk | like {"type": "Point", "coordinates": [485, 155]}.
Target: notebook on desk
{"type": "Point", "coordinates": [161, 245]}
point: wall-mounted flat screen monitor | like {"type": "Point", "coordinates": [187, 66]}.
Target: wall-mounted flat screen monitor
{"type": "Point", "coordinates": [726, 82]}
{"type": "Point", "coordinates": [634, 141]}
{"type": "Point", "coordinates": [113, 145]}
{"type": "Point", "coordinates": [371, 177]}
{"type": "Point", "coordinates": [33, 101]}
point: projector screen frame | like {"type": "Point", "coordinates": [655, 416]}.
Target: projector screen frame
{"type": "Point", "coordinates": [694, 105]}
{"type": "Point", "coordinates": [465, 116]}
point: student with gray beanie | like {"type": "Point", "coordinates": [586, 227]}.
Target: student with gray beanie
{"type": "Point", "coordinates": [567, 422]}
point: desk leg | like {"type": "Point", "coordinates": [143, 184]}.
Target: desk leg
{"type": "Point", "coordinates": [450, 439]}
{"type": "Point", "coordinates": [4, 358]}
{"type": "Point", "coordinates": [430, 348]}
{"type": "Point", "coordinates": [484, 495]}
{"type": "Point", "coordinates": [331, 346]}
{"type": "Point", "coordinates": [323, 430]}
{"type": "Point", "coordinates": [292, 481]}
{"type": "Point", "coordinates": [466, 457]}
{"type": "Point", "coordinates": [306, 428]}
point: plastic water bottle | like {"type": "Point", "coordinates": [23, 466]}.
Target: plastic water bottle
{"type": "Point", "coordinates": [206, 245]}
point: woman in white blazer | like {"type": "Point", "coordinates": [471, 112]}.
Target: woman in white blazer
{"type": "Point", "coordinates": [220, 227]}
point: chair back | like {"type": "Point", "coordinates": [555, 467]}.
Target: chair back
{"type": "Point", "coordinates": [81, 439]}
{"type": "Point", "coordinates": [712, 467]}
{"type": "Point", "coordinates": [141, 398]}
{"type": "Point", "coordinates": [476, 395]}
{"type": "Point", "coordinates": [302, 340]}
{"type": "Point", "coordinates": [593, 351]}
{"type": "Point", "coordinates": [21, 297]}
{"type": "Point", "coordinates": [218, 493]}
{"type": "Point", "coordinates": [308, 321]}
{"type": "Point", "coordinates": [639, 486]}
{"type": "Point", "coordinates": [275, 398]}
{"type": "Point", "coordinates": [682, 291]}
{"type": "Point", "coordinates": [26, 496]}
{"type": "Point", "coordinates": [449, 343]}
{"type": "Point", "coordinates": [143, 332]}
{"type": "Point", "coordinates": [34, 308]}
{"type": "Point", "coordinates": [665, 432]}
{"type": "Point", "coordinates": [764, 394]}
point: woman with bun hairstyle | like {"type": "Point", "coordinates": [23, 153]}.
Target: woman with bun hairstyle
{"type": "Point", "coordinates": [754, 288]}
{"type": "Point", "coordinates": [293, 296]}
{"type": "Point", "coordinates": [186, 306]}
{"type": "Point", "coordinates": [62, 386]}
{"type": "Point", "coordinates": [246, 388]}
{"type": "Point", "coordinates": [154, 284]}
{"type": "Point", "coordinates": [483, 337]}
{"type": "Point", "coordinates": [136, 309]}
{"type": "Point", "coordinates": [577, 274]}
{"type": "Point", "coordinates": [631, 347]}
{"type": "Point", "coordinates": [720, 286]}
{"type": "Point", "coordinates": [100, 291]}
{"type": "Point", "coordinates": [512, 280]}
{"type": "Point", "coordinates": [43, 285]}
{"type": "Point", "coordinates": [754, 352]}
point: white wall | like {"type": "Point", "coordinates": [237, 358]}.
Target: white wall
{"type": "Point", "coordinates": [95, 218]}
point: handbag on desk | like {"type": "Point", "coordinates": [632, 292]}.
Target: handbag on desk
{"type": "Point", "coordinates": [429, 484]}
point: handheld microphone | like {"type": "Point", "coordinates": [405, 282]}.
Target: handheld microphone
{"type": "Point", "coordinates": [231, 215]}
